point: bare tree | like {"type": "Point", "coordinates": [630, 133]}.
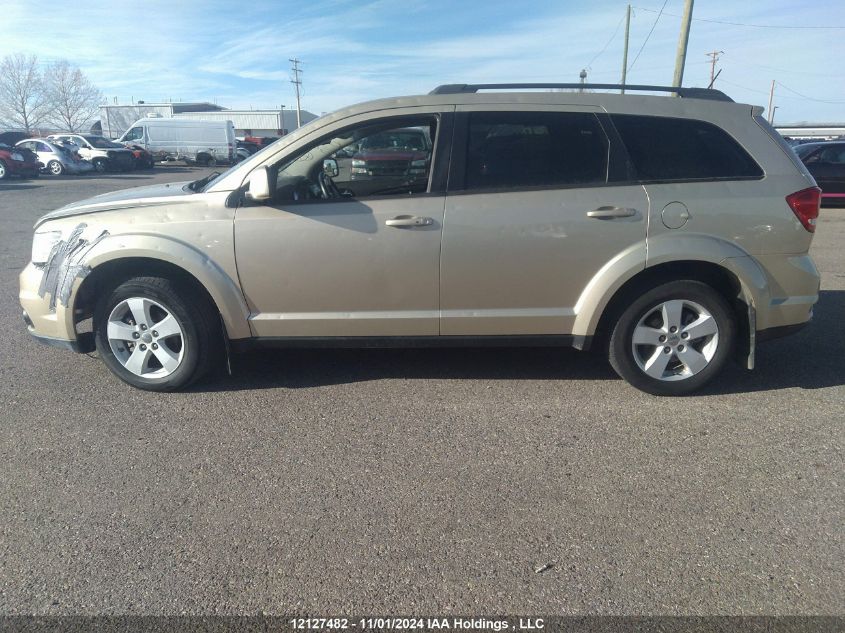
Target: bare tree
{"type": "Point", "coordinates": [74, 101]}
{"type": "Point", "coordinates": [22, 100]}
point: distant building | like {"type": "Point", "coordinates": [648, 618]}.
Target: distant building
{"type": "Point", "coordinates": [254, 122]}
{"type": "Point", "coordinates": [116, 119]}
{"type": "Point", "coordinates": [813, 131]}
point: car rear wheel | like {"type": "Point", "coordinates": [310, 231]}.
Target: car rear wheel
{"type": "Point", "coordinates": [673, 339]}
{"type": "Point", "coordinates": [3, 171]}
{"type": "Point", "coordinates": [100, 165]}
{"type": "Point", "coordinates": [156, 334]}
{"type": "Point", "coordinates": [55, 168]}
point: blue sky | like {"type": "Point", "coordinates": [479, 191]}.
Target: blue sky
{"type": "Point", "coordinates": [352, 50]}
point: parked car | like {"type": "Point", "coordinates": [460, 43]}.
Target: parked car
{"type": "Point", "coordinates": [103, 154]}
{"type": "Point", "coordinates": [197, 142]}
{"type": "Point", "coordinates": [143, 159]}
{"type": "Point", "coordinates": [261, 141]}
{"type": "Point", "coordinates": [624, 223]}
{"type": "Point", "coordinates": [826, 162]}
{"type": "Point", "coordinates": [18, 162]}
{"type": "Point", "coordinates": [11, 138]}
{"type": "Point", "coordinates": [56, 158]}
{"type": "Point", "coordinates": [241, 153]}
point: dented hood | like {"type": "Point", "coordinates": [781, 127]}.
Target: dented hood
{"type": "Point", "coordinates": [138, 197]}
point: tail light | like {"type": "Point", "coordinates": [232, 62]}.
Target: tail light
{"type": "Point", "coordinates": [805, 206]}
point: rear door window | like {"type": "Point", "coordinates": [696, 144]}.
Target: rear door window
{"type": "Point", "coordinates": [512, 150]}
{"type": "Point", "coordinates": [671, 149]}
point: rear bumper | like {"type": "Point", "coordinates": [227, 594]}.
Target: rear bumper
{"type": "Point", "coordinates": [772, 333]}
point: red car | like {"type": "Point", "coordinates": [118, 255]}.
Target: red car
{"type": "Point", "coordinates": [18, 162]}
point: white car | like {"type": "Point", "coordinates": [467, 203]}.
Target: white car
{"type": "Point", "coordinates": [56, 159]}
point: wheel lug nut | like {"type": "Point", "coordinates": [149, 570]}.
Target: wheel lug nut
{"type": "Point", "coordinates": [155, 345]}
{"type": "Point", "coordinates": [155, 333]}
{"type": "Point", "coordinates": [673, 329]}
{"type": "Point", "coordinates": [135, 335]}
{"type": "Point", "coordinates": [685, 335]}
{"type": "Point", "coordinates": [680, 348]}
{"type": "Point", "coordinates": [667, 349]}
{"type": "Point", "coordinates": [662, 338]}
{"type": "Point", "coordinates": [143, 347]}
{"type": "Point", "coordinates": [143, 327]}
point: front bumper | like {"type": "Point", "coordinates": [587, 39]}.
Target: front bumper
{"type": "Point", "coordinates": [42, 321]}
{"type": "Point", "coordinates": [84, 343]}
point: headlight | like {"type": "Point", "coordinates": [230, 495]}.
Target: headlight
{"type": "Point", "coordinates": [16, 156]}
{"type": "Point", "coordinates": [42, 244]}
{"type": "Point", "coordinates": [357, 162]}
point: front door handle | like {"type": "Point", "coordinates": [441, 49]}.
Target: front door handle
{"type": "Point", "coordinates": [611, 212]}
{"type": "Point", "coordinates": [409, 220]}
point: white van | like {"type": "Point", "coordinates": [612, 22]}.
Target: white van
{"type": "Point", "coordinates": [201, 142]}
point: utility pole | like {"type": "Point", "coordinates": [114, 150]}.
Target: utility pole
{"type": "Point", "coordinates": [625, 50]}
{"type": "Point", "coordinates": [683, 40]}
{"type": "Point", "coordinates": [714, 58]}
{"type": "Point", "coordinates": [296, 81]}
{"type": "Point", "coordinates": [771, 100]}
{"type": "Point", "coordinates": [583, 76]}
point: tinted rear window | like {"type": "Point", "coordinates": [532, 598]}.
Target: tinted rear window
{"type": "Point", "coordinates": [664, 148]}
{"type": "Point", "coordinates": [535, 149]}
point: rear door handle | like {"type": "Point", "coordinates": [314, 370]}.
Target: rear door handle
{"type": "Point", "coordinates": [408, 221]}
{"type": "Point", "coordinates": [611, 212]}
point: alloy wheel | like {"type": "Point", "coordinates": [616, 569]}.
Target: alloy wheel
{"type": "Point", "coordinates": [675, 340]}
{"type": "Point", "coordinates": [145, 337]}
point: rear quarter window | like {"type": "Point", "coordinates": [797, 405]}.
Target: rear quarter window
{"type": "Point", "coordinates": [669, 149]}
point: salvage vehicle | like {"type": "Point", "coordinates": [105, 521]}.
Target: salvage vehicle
{"type": "Point", "coordinates": [195, 142]}
{"type": "Point", "coordinates": [103, 154]}
{"type": "Point", "coordinates": [671, 234]}
{"type": "Point", "coordinates": [18, 162]}
{"type": "Point", "coordinates": [826, 162]}
{"type": "Point", "coordinates": [56, 158]}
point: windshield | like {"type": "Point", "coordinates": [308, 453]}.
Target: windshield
{"type": "Point", "coordinates": [394, 140]}
{"type": "Point", "coordinates": [102, 143]}
{"type": "Point", "coordinates": [805, 150]}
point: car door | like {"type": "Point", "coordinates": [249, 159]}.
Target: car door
{"type": "Point", "coordinates": [360, 265]}
{"type": "Point", "coordinates": [530, 218]}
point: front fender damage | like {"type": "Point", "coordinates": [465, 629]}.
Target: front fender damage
{"type": "Point", "coordinates": [65, 265]}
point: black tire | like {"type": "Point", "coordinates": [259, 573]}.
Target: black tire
{"type": "Point", "coordinates": [622, 352]}
{"type": "Point", "coordinates": [55, 168]}
{"type": "Point", "coordinates": [195, 315]}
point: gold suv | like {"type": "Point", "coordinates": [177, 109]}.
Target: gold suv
{"type": "Point", "coordinates": [671, 233]}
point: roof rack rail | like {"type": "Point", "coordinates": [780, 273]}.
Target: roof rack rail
{"type": "Point", "coordinates": [687, 93]}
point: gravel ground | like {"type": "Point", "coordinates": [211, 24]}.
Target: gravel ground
{"type": "Point", "coordinates": [417, 481]}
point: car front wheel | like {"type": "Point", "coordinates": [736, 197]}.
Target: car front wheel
{"type": "Point", "coordinates": [156, 334]}
{"type": "Point", "coordinates": [673, 339]}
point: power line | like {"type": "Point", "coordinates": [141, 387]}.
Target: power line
{"type": "Point", "coordinates": [805, 96]}
{"type": "Point", "coordinates": [615, 31]}
{"type": "Point", "coordinates": [753, 26]}
{"type": "Point", "coordinates": [659, 13]}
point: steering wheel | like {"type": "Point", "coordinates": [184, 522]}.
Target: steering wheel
{"type": "Point", "coordinates": [327, 186]}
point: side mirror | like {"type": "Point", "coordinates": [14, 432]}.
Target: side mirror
{"type": "Point", "coordinates": [258, 185]}
{"type": "Point", "coordinates": [330, 167]}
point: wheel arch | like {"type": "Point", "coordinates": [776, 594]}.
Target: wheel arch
{"type": "Point", "coordinates": [111, 268]}
{"type": "Point", "coordinates": [738, 280]}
